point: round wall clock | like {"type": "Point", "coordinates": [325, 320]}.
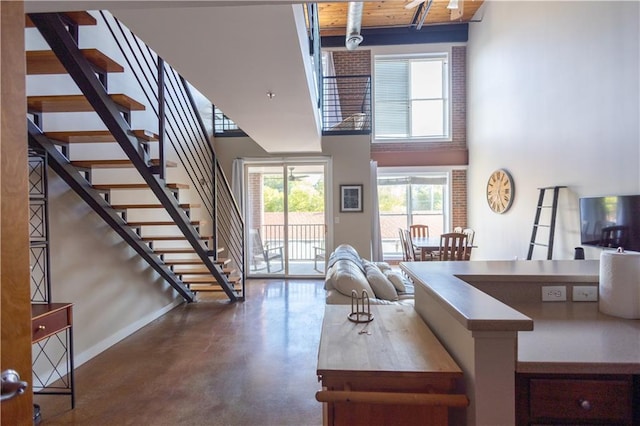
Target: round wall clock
{"type": "Point", "coordinates": [500, 191]}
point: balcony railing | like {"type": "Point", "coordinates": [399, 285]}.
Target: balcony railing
{"type": "Point", "coordinates": [303, 240]}
{"type": "Point", "coordinates": [346, 106]}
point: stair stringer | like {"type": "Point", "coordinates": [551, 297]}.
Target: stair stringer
{"type": "Point", "coordinates": [79, 184]}
{"type": "Point", "coordinates": [64, 46]}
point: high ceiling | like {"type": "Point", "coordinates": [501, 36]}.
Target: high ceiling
{"type": "Point", "coordinates": [235, 52]}
{"type": "Point", "coordinates": [393, 14]}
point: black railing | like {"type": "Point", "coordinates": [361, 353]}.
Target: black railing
{"type": "Point", "coordinates": [182, 130]}
{"type": "Point", "coordinates": [303, 240]}
{"type": "Point", "coordinates": [346, 106]}
{"type": "Point", "coordinates": [187, 134]}
{"type": "Point", "coordinates": [223, 126]}
{"type": "Point", "coordinates": [315, 50]}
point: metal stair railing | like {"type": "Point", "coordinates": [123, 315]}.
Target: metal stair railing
{"type": "Point", "coordinates": [63, 45]}
{"type": "Point", "coordinates": [188, 135]}
{"type": "Point", "coordinates": [61, 165]}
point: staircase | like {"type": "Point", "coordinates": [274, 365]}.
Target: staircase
{"type": "Point", "coordinates": [146, 209]}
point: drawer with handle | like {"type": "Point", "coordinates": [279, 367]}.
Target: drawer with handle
{"type": "Point", "coordinates": [581, 399]}
{"type": "Point", "coordinates": [48, 322]}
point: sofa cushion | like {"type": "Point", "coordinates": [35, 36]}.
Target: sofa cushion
{"type": "Point", "coordinates": [382, 287]}
{"type": "Point", "coordinates": [383, 266]}
{"type": "Point", "coordinates": [346, 276]}
{"type": "Point", "coordinates": [399, 282]}
{"type": "Point", "coordinates": [345, 252]}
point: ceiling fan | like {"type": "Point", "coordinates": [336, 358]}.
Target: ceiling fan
{"type": "Point", "coordinates": [453, 4]}
{"type": "Point", "coordinates": [295, 178]}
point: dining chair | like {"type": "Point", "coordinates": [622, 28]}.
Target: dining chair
{"type": "Point", "coordinates": [458, 229]}
{"type": "Point", "coordinates": [406, 253]}
{"type": "Point", "coordinates": [471, 234]}
{"type": "Point", "coordinates": [419, 230]}
{"type": "Point", "coordinates": [454, 246]}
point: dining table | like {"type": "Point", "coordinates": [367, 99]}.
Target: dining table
{"type": "Point", "coordinates": [428, 244]}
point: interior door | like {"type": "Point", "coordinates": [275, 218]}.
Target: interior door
{"type": "Point", "coordinates": [15, 307]}
{"type": "Point", "coordinates": [285, 218]}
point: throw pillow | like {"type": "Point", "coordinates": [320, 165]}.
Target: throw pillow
{"type": "Point", "coordinates": [383, 266]}
{"type": "Point", "coordinates": [397, 280]}
{"type": "Point", "coordinates": [347, 276]}
{"type": "Point", "coordinates": [382, 287]}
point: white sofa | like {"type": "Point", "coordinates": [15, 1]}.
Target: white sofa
{"type": "Point", "coordinates": [347, 271]}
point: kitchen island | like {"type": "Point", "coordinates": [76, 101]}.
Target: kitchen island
{"type": "Point", "coordinates": [490, 317]}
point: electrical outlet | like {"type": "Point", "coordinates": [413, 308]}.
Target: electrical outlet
{"type": "Point", "coordinates": [554, 293]}
{"type": "Point", "coordinates": [585, 293]}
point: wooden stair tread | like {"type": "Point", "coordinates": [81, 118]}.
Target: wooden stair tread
{"type": "Point", "coordinates": [205, 287]}
{"type": "Point", "coordinates": [168, 238]}
{"type": "Point", "coordinates": [97, 136]}
{"type": "Point", "coordinates": [200, 271]}
{"type": "Point", "coordinates": [221, 261]}
{"type": "Point", "coordinates": [41, 62]}
{"type": "Point", "coordinates": [114, 164]}
{"type": "Point", "coordinates": [158, 223]}
{"type": "Point", "coordinates": [150, 206]}
{"type": "Point", "coordinates": [76, 103]}
{"type": "Point", "coordinates": [193, 262]}
{"type": "Point", "coordinates": [80, 18]}
{"type": "Point", "coordinates": [174, 251]}
{"type": "Point", "coordinates": [137, 186]}
{"type": "Point", "coordinates": [200, 280]}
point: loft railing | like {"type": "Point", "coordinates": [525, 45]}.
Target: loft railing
{"type": "Point", "coordinates": [346, 106]}
{"type": "Point", "coordinates": [175, 103]}
{"type": "Point", "coordinates": [315, 50]}
{"type": "Point", "coordinates": [223, 126]}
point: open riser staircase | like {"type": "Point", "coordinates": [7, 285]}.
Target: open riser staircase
{"type": "Point", "coordinates": [136, 179]}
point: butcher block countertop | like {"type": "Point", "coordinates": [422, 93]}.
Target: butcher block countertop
{"type": "Point", "coordinates": [553, 337]}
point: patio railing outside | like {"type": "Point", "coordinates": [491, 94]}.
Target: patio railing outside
{"type": "Point", "coordinates": [304, 240]}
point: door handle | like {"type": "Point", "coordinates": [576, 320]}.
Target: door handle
{"type": "Point", "coordinates": [12, 386]}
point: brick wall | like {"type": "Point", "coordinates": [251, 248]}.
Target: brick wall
{"type": "Point", "coordinates": [450, 153]}
{"type": "Point", "coordinates": [357, 62]}
{"type": "Point", "coordinates": [459, 198]}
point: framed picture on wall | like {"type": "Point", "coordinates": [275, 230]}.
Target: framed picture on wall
{"type": "Point", "coordinates": [350, 198]}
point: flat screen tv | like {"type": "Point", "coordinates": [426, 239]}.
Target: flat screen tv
{"type": "Point", "coordinates": [611, 222]}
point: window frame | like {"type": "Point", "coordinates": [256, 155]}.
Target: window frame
{"type": "Point", "coordinates": [427, 172]}
{"type": "Point", "coordinates": [445, 57]}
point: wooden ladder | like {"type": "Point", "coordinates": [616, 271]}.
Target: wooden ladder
{"type": "Point", "coordinates": [551, 224]}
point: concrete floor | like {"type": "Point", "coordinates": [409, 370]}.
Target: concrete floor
{"type": "Point", "coordinates": [208, 363]}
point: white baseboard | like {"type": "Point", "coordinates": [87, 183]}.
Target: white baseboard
{"type": "Point", "coordinates": [105, 344]}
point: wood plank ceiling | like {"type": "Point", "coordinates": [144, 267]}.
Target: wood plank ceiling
{"type": "Point", "coordinates": [393, 14]}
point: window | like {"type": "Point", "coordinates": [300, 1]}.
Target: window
{"type": "Point", "coordinates": [410, 198]}
{"type": "Point", "coordinates": [411, 98]}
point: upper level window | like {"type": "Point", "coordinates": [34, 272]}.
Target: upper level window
{"type": "Point", "coordinates": [411, 98]}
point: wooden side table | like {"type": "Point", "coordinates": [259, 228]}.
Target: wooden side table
{"type": "Point", "coordinates": [53, 321]}
{"type": "Point", "coordinates": [391, 370]}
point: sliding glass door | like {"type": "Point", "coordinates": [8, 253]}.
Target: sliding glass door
{"type": "Point", "coordinates": [285, 218]}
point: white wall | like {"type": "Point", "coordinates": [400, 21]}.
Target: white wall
{"type": "Point", "coordinates": [553, 97]}
{"type": "Point", "coordinates": [113, 290]}
{"type": "Point", "coordinates": [349, 165]}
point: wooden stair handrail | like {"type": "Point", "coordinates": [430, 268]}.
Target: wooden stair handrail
{"type": "Point", "coordinates": [431, 399]}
